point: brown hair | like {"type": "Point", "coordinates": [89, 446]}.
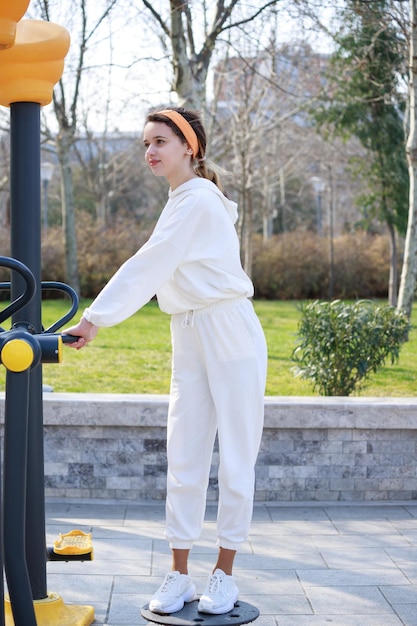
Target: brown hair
{"type": "Point", "coordinates": [202, 167]}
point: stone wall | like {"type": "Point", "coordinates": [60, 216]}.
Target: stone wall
{"type": "Point", "coordinates": [113, 446]}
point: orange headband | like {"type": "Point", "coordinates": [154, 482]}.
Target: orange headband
{"type": "Point", "coordinates": [184, 126]}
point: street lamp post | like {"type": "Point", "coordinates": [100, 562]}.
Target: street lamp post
{"type": "Point", "coordinates": [319, 186]}
{"type": "Point", "coordinates": [47, 169]}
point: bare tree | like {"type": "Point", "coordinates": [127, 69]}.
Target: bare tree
{"type": "Point", "coordinates": [112, 179]}
{"type": "Point", "coordinates": [66, 104]}
{"type": "Point", "coordinates": [261, 96]}
{"type": "Point", "coordinates": [192, 48]}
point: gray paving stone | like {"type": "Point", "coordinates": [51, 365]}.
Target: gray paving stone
{"type": "Point", "coordinates": [148, 512]}
{"type": "Point", "coordinates": [406, 594]}
{"type": "Point", "coordinates": [303, 527]}
{"type": "Point", "coordinates": [412, 508]}
{"type": "Point", "coordinates": [87, 589]}
{"type": "Point", "coordinates": [370, 512]}
{"type": "Point", "coordinates": [356, 558]}
{"type": "Point", "coordinates": [283, 559]}
{"type": "Point", "coordinates": [342, 600]}
{"type": "Point", "coordinates": [297, 513]}
{"type": "Point", "coordinates": [402, 554]}
{"type": "Point", "coordinates": [264, 541]}
{"type": "Point", "coordinates": [265, 620]}
{"type": "Point", "coordinates": [409, 568]}
{"type": "Point", "coordinates": [125, 609]}
{"type": "Point", "coordinates": [340, 620]}
{"type": "Point", "coordinates": [361, 526]}
{"type": "Point", "coordinates": [410, 536]}
{"type": "Point", "coordinates": [346, 542]}
{"type": "Point", "coordinates": [281, 604]}
{"type": "Point", "coordinates": [268, 582]}
{"type": "Point", "coordinates": [407, 613]}
{"type": "Point", "coordinates": [131, 549]}
{"type": "Point", "coordinates": [304, 564]}
{"type": "Point", "coordinates": [363, 577]}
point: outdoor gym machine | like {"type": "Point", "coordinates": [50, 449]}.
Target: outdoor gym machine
{"type": "Point", "coordinates": [32, 56]}
{"type": "Point", "coordinates": [21, 352]}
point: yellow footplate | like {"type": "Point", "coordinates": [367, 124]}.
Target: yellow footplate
{"type": "Point", "coordinates": [74, 542]}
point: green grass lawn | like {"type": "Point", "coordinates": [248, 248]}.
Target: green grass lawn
{"type": "Point", "coordinates": [135, 356]}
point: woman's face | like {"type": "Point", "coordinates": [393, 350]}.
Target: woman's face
{"type": "Point", "coordinates": [165, 153]}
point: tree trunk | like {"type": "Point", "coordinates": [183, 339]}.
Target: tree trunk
{"type": "Point", "coordinates": [4, 209]}
{"type": "Point", "coordinates": [393, 270]}
{"type": "Point", "coordinates": [189, 68]}
{"type": "Point", "coordinates": [68, 211]}
{"type": "Point", "coordinates": [247, 235]}
{"type": "Point", "coordinates": [409, 268]}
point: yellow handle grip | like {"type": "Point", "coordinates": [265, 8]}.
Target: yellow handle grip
{"type": "Point", "coordinates": [17, 355]}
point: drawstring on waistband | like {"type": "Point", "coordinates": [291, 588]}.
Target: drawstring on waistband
{"type": "Point", "coordinates": [188, 316]}
{"type": "Point", "coordinates": [188, 319]}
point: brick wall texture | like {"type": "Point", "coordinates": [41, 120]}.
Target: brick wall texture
{"type": "Point", "coordinates": [114, 447]}
{"type": "Point", "coordinates": [293, 464]}
{"type": "Point", "coordinates": [312, 449]}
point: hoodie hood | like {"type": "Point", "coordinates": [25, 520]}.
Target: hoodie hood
{"type": "Point", "coordinates": [204, 183]}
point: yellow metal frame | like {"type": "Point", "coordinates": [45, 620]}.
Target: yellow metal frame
{"type": "Point", "coordinates": [32, 56]}
{"type": "Point", "coordinates": [52, 611]}
{"type": "Point", "coordinates": [31, 67]}
{"type": "Point", "coordinates": [11, 12]}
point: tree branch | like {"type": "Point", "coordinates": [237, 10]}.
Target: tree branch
{"type": "Point", "coordinates": [158, 17]}
{"type": "Point", "coordinates": [247, 19]}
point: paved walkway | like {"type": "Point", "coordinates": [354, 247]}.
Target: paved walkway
{"type": "Point", "coordinates": [304, 565]}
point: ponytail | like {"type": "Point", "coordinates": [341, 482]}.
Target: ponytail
{"type": "Point", "coordinates": [207, 169]}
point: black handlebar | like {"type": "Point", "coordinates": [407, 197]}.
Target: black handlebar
{"type": "Point", "coordinates": [69, 338]}
{"type": "Point", "coordinates": [74, 304]}
{"type": "Point", "coordinates": [30, 291]}
{"type": "Point", "coordinates": [26, 296]}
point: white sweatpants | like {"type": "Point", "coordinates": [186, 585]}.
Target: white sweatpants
{"type": "Point", "coordinates": [219, 364]}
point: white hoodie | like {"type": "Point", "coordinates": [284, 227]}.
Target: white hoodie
{"type": "Point", "coordinates": [190, 261]}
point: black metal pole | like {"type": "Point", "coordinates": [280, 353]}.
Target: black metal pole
{"type": "Point", "coordinates": [15, 446]}
{"type": "Point", "coordinates": [2, 616]}
{"type": "Point", "coordinates": [25, 221]}
{"type": "Point", "coordinates": [21, 406]}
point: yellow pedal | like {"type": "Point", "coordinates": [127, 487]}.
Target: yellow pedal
{"type": "Point", "coordinates": [74, 542]}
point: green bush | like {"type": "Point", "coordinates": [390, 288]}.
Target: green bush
{"type": "Point", "coordinates": [340, 345]}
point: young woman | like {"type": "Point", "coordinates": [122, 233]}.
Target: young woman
{"type": "Point", "coordinates": [192, 263]}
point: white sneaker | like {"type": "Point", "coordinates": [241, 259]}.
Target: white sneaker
{"type": "Point", "coordinates": [176, 589]}
{"type": "Point", "coordinates": [220, 594]}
